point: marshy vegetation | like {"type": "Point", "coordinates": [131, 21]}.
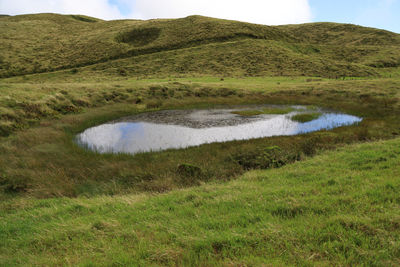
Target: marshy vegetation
{"type": "Point", "coordinates": [270, 110]}
{"type": "Point", "coordinates": [306, 117]}
{"type": "Point", "coordinates": [47, 149]}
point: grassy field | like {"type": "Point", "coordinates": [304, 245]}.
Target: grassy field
{"type": "Point", "coordinates": [339, 208]}
{"type": "Point", "coordinates": [324, 198]}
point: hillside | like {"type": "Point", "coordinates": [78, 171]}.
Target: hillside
{"type": "Point", "coordinates": [194, 45]}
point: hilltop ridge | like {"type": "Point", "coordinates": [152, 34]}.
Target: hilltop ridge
{"type": "Point", "coordinates": [195, 44]}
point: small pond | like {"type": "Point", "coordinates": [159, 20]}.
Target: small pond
{"type": "Point", "coordinates": [155, 131]}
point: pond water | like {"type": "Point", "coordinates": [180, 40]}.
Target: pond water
{"type": "Point", "coordinates": [155, 131]}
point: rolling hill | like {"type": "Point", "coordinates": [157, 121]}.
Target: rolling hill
{"type": "Point", "coordinates": [193, 45]}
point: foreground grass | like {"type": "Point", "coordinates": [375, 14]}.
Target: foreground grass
{"type": "Point", "coordinates": [338, 208]}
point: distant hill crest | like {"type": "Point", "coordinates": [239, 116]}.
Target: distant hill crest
{"type": "Point", "coordinates": [195, 44]}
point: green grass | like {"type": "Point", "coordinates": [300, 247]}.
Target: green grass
{"type": "Point", "coordinates": [339, 208]}
{"type": "Point", "coordinates": [306, 117]}
{"type": "Point", "coordinates": [263, 111]}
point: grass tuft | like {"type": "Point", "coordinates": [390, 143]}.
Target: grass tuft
{"type": "Point", "coordinates": [306, 117]}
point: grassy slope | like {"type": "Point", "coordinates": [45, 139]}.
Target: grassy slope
{"type": "Point", "coordinates": [37, 43]}
{"type": "Point", "coordinates": [339, 208]}
{"type": "Point", "coordinates": [46, 95]}
{"type": "Point", "coordinates": [32, 43]}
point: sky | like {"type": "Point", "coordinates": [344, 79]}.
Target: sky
{"type": "Point", "coordinates": [383, 14]}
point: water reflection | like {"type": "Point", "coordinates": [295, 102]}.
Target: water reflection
{"type": "Point", "coordinates": [139, 136]}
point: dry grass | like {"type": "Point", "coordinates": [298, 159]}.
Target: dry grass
{"type": "Point", "coordinates": [196, 45]}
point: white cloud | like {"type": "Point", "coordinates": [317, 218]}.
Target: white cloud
{"type": "Point", "coordinates": [95, 8]}
{"type": "Point", "coordinates": [256, 11]}
{"type": "Point", "coordinates": [271, 12]}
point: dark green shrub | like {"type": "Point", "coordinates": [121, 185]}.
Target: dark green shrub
{"type": "Point", "coordinates": [154, 104]}
{"type": "Point", "coordinates": [139, 36]}
{"type": "Point", "coordinates": [134, 179]}
{"type": "Point", "coordinates": [8, 116]}
{"type": "Point", "coordinates": [80, 102]}
{"type": "Point", "coordinates": [5, 130]}
{"type": "Point", "coordinates": [189, 174]}
{"type": "Point", "coordinates": [16, 184]}
{"type": "Point", "coordinates": [159, 91]}
{"type": "Point", "coordinates": [122, 72]}
{"type": "Point", "coordinates": [83, 18]}
{"type": "Point", "coordinates": [310, 145]}
{"type": "Point", "coordinates": [188, 170]}
{"type": "Point", "coordinates": [268, 157]}
{"type": "Point", "coordinates": [138, 100]}
{"type": "Point", "coordinates": [204, 92]}
{"type": "Point", "coordinates": [362, 134]}
{"type": "Point", "coordinates": [224, 92]}
{"type": "Point", "coordinates": [115, 96]}
{"type": "Point", "coordinates": [32, 109]}
{"type": "Point", "coordinates": [65, 108]}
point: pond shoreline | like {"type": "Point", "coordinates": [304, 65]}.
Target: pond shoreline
{"type": "Point", "coordinates": [176, 129]}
